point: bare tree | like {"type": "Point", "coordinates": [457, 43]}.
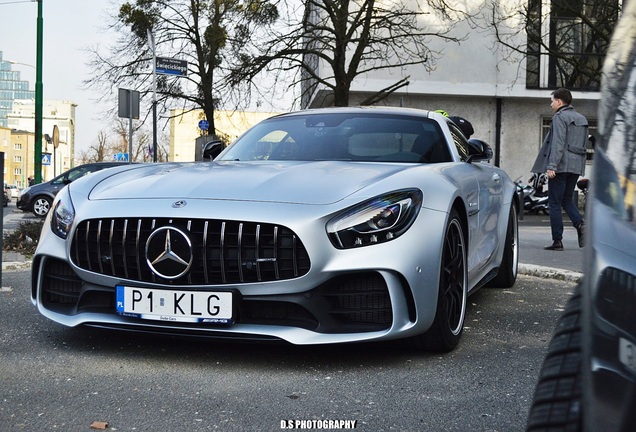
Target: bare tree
{"type": "Point", "coordinates": [108, 146]}
{"type": "Point", "coordinates": [564, 42]}
{"type": "Point", "coordinates": [198, 31]}
{"type": "Point", "coordinates": [329, 43]}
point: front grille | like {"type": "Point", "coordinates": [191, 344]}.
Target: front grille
{"type": "Point", "coordinates": [60, 285]}
{"type": "Point", "coordinates": [223, 252]}
{"type": "Point", "coordinates": [359, 299]}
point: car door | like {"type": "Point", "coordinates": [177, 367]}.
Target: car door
{"type": "Point", "coordinates": [484, 201]}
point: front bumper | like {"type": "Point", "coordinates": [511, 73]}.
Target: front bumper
{"type": "Point", "coordinates": [385, 291]}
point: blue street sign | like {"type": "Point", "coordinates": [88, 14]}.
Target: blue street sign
{"type": "Point", "coordinates": [46, 158]}
{"type": "Point", "coordinates": [121, 157]}
{"type": "Point", "coordinates": [204, 125]}
{"type": "Point", "coordinates": [170, 66]}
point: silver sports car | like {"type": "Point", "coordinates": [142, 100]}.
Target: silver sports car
{"type": "Point", "coordinates": [314, 227]}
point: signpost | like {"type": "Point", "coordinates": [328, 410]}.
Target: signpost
{"type": "Point", "coordinates": [204, 125]}
{"type": "Point", "coordinates": [129, 107]}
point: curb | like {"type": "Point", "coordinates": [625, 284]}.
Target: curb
{"type": "Point", "coordinates": [16, 265]}
{"type": "Point", "coordinates": [550, 273]}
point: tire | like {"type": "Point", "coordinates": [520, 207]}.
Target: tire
{"type": "Point", "coordinates": [507, 273]}
{"type": "Point", "coordinates": [556, 404]}
{"type": "Point", "coordinates": [448, 325]}
{"type": "Point", "coordinates": [41, 206]}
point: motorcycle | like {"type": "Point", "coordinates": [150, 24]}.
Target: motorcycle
{"type": "Point", "coordinates": [535, 196]}
{"type": "Point", "coordinates": [583, 185]}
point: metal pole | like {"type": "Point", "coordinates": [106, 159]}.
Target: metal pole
{"type": "Point", "coordinates": [37, 156]}
{"type": "Point", "coordinates": [151, 43]}
{"type": "Point", "coordinates": [130, 125]}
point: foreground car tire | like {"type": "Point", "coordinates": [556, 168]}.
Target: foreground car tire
{"type": "Point", "coordinates": [507, 274]}
{"type": "Point", "coordinates": [41, 206]}
{"type": "Point", "coordinates": [448, 325]}
{"type": "Point", "coordinates": [556, 404]}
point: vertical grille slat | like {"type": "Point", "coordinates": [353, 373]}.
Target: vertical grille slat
{"type": "Point", "coordinates": [110, 246]}
{"type": "Point", "coordinates": [276, 267]}
{"type": "Point", "coordinates": [239, 251]}
{"type": "Point", "coordinates": [223, 252]}
{"type": "Point", "coordinates": [137, 253]}
{"type": "Point", "coordinates": [87, 248]}
{"type": "Point", "coordinates": [99, 246]}
{"type": "Point", "coordinates": [123, 248]}
{"type": "Point", "coordinates": [204, 239]}
{"type": "Point", "coordinates": [258, 252]}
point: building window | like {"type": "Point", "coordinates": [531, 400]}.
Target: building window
{"type": "Point", "coordinates": [567, 42]}
{"type": "Point", "coordinates": [17, 171]}
{"type": "Point", "coordinates": [17, 158]}
{"type": "Point", "coordinates": [17, 146]}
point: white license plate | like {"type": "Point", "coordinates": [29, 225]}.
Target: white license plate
{"type": "Point", "coordinates": [182, 306]}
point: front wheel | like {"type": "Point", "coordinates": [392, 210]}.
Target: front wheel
{"type": "Point", "coordinates": [41, 206]}
{"type": "Point", "coordinates": [448, 324]}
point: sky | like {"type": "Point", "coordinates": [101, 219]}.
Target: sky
{"type": "Point", "coordinates": [69, 27]}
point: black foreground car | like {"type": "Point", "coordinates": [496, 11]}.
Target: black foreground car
{"type": "Point", "coordinates": [588, 379]}
{"type": "Point", "coordinates": [38, 198]}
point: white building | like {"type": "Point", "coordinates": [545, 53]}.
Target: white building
{"type": "Point", "coordinates": [505, 95]}
{"type": "Point", "coordinates": [54, 113]}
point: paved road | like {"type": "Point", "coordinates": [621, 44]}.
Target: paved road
{"type": "Point", "coordinates": [534, 234]}
{"type": "Point", "coordinates": [56, 378]}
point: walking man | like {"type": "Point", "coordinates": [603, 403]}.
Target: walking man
{"type": "Point", "coordinates": [562, 158]}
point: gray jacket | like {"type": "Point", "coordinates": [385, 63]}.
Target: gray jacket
{"type": "Point", "coordinates": [564, 147]}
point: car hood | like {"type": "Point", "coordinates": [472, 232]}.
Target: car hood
{"type": "Point", "coordinates": [322, 182]}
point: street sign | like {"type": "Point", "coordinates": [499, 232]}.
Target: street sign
{"type": "Point", "coordinates": [46, 158]}
{"type": "Point", "coordinates": [121, 157]}
{"type": "Point", "coordinates": [204, 125]}
{"type": "Point", "coordinates": [168, 66]}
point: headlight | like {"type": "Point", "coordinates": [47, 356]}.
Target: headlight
{"type": "Point", "coordinates": [63, 214]}
{"type": "Point", "coordinates": [377, 220]}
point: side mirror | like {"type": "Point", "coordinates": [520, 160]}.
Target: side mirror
{"type": "Point", "coordinates": [479, 151]}
{"type": "Point", "coordinates": [212, 149]}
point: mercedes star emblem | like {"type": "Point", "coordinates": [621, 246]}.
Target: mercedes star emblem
{"type": "Point", "coordinates": [169, 252]}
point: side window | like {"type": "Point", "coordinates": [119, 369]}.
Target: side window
{"type": "Point", "coordinates": [460, 142]}
{"type": "Point", "coordinates": [80, 172]}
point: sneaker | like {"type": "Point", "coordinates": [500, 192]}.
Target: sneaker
{"type": "Point", "coordinates": [557, 245]}
{"type": "Point", "coordinates": [580, 233]}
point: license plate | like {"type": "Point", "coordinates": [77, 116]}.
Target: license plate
{"type": "Point", "coordinates": [168, 305]}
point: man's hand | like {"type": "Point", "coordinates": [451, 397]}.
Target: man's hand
{"type": "Point", "coordinates": [551, 173]}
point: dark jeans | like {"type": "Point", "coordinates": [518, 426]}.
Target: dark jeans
{"type": "Point", "coordinates": [560, 190]}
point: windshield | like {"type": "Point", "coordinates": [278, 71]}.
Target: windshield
{"type": "Point", "coordinates": [342, 136]}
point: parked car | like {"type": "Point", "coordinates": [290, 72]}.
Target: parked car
{"type": "Point", "coordinates": [321, 226]}
{"type": "Point", "coordinates": [38, 198]}
{"type": "Point", "coordinates": [588, 378]}
{"type": "Point", "coordinates": [7, 197]}
{"type": "Point", "coordinates": [14, 191]}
